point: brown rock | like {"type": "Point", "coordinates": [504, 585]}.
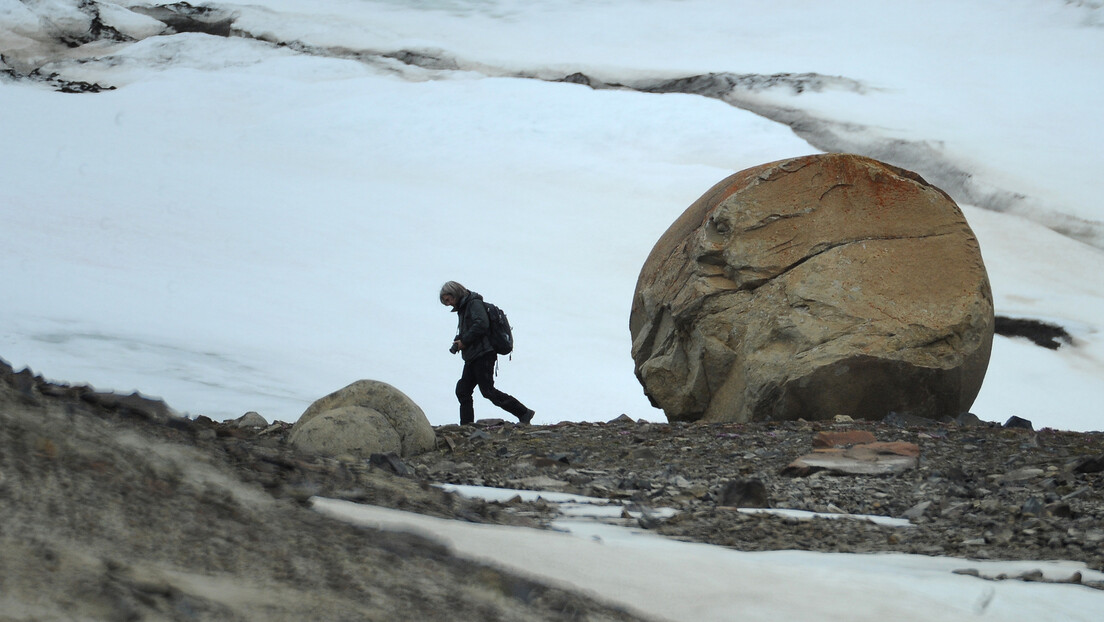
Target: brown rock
{"type": "Point", "coordinates": [813, 286]}
{"type": "Point", "coordinates": [842, 438]}
{"type": "Point", "coordinates": [895, 448]}
{"type": "Point", "coordinates": [744, 493]}
{"type": "Point", "coordinates": [868, 459]}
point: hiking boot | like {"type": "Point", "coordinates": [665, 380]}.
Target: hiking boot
{"type": "Point", "coordinates": [525, 418]}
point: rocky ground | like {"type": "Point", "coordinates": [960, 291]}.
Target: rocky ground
{"type": "Point", "coordinates": [978, 491]}
{"type": "Point", "coordinates": [113, 508]}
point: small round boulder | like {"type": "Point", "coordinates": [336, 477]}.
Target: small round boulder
{"type": "Point", "coordinates": [347, 431]}
{"type": "Point", "coordinates": [251, 419]}
{"type": "Point", "coordinates": [362, 419]}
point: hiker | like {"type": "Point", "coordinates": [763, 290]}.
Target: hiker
{"type": "Point", "coordinates": [473, 342]}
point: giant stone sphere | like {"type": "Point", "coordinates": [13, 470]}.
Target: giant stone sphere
{"type": "Point", "coordinates": [811, 287]}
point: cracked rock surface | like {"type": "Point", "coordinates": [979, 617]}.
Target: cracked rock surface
{"type": "Point", "coordinates": [813, 287]}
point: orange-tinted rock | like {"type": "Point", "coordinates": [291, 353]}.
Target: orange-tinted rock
{"type": "Point", "coordinates": [844, 438]}
{"type": "Point", "coordinates": [814, 286]}
{"type": "Point", "coordinates": [866, 459]}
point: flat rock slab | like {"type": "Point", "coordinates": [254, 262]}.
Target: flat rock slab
{"type": "Point", "coordinates": [844, 438]}
{"type": "Point", "coordinates": [865, 459]}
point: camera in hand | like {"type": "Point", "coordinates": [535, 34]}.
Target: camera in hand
{"type": "Point", "coordinates": [455, 348]}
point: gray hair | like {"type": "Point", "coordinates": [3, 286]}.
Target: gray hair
{"type": "Point", "coordinates": [455, 289]}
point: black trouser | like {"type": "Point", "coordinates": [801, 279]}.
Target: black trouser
{"type": "Point", "coordinates": [479, 372]}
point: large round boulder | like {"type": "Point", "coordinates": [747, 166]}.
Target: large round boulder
{"type": "Point", "coordinates": [811, 287]}
{"type": "Point", "coordinates": [364, 418]}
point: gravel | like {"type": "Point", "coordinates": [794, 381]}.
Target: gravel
{"type": "Point", "coordinates": [981, 491]}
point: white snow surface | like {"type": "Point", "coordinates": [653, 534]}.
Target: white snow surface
{"type": "Point", "coordinates": [244, 226]}
{"type": "Point", "coordinates": [600, 509]}
{"type": "Point", "coordinates": [664, 579]}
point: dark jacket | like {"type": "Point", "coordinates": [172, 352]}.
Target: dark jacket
{"type": "Point", "coordinates": [474, 327]}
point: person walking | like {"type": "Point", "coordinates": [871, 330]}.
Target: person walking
{"type": "Point", "coordinates": [473, 342]}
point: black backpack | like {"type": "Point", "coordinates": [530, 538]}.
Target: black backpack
{"type": "Point", "coordinates": [502, 337]}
